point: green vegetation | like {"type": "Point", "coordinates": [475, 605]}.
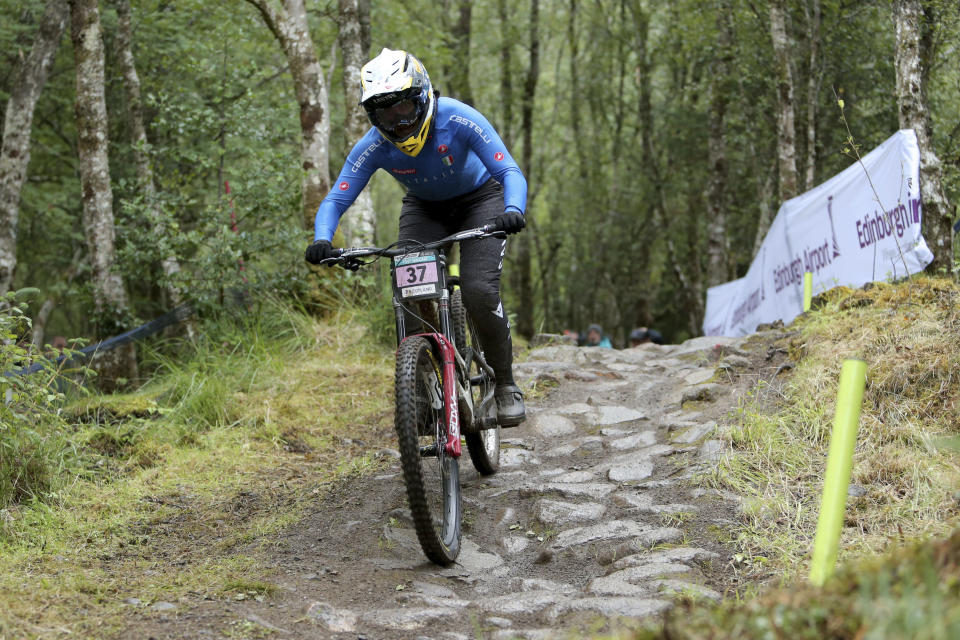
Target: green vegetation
{"type": "Point", "coordinates": [211, 457]}
{"type": "Point", "coordinates": [904, 478]}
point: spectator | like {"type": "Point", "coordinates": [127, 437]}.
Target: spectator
{"type": "Point", "coordinates": [595, 337]}
{"type": "Point", "coordinates": [644, 335]}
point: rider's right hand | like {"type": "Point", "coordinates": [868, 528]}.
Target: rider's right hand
{"type": "Point", "coordinates": [318, 252]}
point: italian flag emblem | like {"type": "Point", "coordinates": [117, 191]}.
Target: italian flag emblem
{"type": "Point", "coordinates": [447, 160]}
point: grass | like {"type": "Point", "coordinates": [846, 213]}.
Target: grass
{"type": "Point", "coordinates": [913, 592]}
{"type": "Point", "coordinates": [905, 469]}
{"type": "Point", "coordinates": [900, 546]}
{"type": "Point", "coordinates": [204, 464]}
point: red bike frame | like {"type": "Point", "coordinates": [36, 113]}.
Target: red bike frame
{"type": "Point", "coordinates": [451, 411]}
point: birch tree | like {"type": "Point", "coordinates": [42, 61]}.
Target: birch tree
{"type": "Point", "coordinates": [911, 54]}
{"type": "Point", "coordinates": [354, 41]}
{"type": "Point", "coordinates": [111, 305]}
{"type": "Point", "coordinates": [15, 149]}
{"type": "Point", "coordinates": [786, 127]}
{"type": "Point", "coordinates": [288, 23]}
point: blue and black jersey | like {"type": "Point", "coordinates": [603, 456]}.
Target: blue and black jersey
{"type": "Point", "coordinates": [461, 154]}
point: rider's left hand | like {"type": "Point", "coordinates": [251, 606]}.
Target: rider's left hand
{"type": "Point", "coordinates": [510, 222]}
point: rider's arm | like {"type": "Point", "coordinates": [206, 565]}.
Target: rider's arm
{"type": "Point", "coordinates": [359, 166]}
{"type": "Point", "coordinates": [488, 146]}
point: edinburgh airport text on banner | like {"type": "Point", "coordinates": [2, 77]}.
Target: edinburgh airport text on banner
{"type": "Point", "coordinates": [841, 231]}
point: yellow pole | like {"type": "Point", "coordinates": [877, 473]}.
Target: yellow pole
{"type": "Point", "coordinates": [836, 481]}
{"type": "Point", "coordinates": [807, 290]}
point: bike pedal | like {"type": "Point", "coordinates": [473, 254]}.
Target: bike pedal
{"type": "Point", "coordinates": [429, 451]}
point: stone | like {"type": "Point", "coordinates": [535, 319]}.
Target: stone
{"type": "Point", "coordinates": [575, 409]}
{"type": "Point", "coordinates": [595, 490]}
{"type": "Point", "coordinates": [505, 517]}
{"type": "Point", "coordinates": [525, 634]}
{"type": "Point", "coordinates": [573, 476]}
{"type": "Point", "coordinates": [538, 584]}
{"type": "Point", "coordinates": [711, 450]}
{"type": "Point", "coordinates": [517, 458]}
{"type": "Point", "coordinates": [637, 440]}
{"type": "Point", "coordinates": [581, 375]}
{"type": "Point", "coordinates": [623, 367]}
{"type": "Point", "coordinates": [387, 453]}
{"type": "Point", "coordinates": [705, 345]}
{"type": "Point", "coordinates": [734, 361]}
{"type": "Point", "coordinates": [612, 432]}
{"type": "Point", "coordinates": [432, 589]}
{"type": "Point", "coordinates": [694, 433]}
{"type": "Point", "coordinates": [608, 415]}
{"type": "Point", "coordinates": [632, 500]}
{"type": "Point", "coordinates": [496, 621]}
{"type": "Point", "coordinates": [657, 536]}
{"type": "Point", "coordinates": [612, 530]}
{"type": "Point", "coordinates": [677, 554]}
{"type": "Point", "coordinates": [163, 606]}
{"type": "Point", "coordinates": [550, 425]}
{"type": "Point", "coordinates": [406, 619]}
{"type": "Point", "coordinates": [588, 448]}
{"type": "Point", "coordinates": [134, 602]}
{"type": "Point", "coordinates": [702, 393]}
{"type": "Point", "coordinates": [698, 376]}
{"type": "Point", "coordinates": [472, 559]}
{"type": "Point", "coordinates": [557, 353]}
{"type": "Point", "coordinates": [334, 620]}
{"type": "Point", "coordinates": [518, 443]}
{"type": "Point", "coordinates": [515, 544]}
{"type": "Point", "coordinates": [631, 472]}
{"type": "Point", "coordinates": [680, 587]}
{"type": "Point", "coordinates": [622, 582]}
{"type": "Point", "coordinates": [630, 607]}
{"type": "Point", "coordinates": [523, 602]}
{"type": "Point", "coordinates": [553, 512]}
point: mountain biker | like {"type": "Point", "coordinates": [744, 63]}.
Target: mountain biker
{"type": "Point", "coordinates": [458, 174]}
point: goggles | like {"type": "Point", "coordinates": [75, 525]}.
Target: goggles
{"type": "Point", "coordinates": [400, 114]}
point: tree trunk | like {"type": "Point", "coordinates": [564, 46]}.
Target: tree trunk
{"type": "Point", "coordinates": [813, 92]}
{"type": "Point", "coordinates": [15, 149]}
{"type": "Point", "coordinates": [159, 220]}
{"type": "Point", "coordinates": [718, 246]}
{"type": "Point", "coordinates": [288, 23]}
{"type": "Point", "coordinates": [506, 74]}
{"type": "Point", "coordinates": [111, 306]}
{"type": "Point", "coordinates": [359, 226]}
{"type": "Point", "coordinates": [911, 98]}
{"type": "Point", "coordinates": [786, 127]}
{"type": "Point", "coordinates": [459, 70]}
{"type": "Point", "coordinates": [524, 272]}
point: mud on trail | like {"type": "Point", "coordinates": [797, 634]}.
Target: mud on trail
{"type": "Point", "coordinates": [595, 521]}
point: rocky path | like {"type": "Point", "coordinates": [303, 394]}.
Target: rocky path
{"type": "Point", "coordinates": [593, 522]}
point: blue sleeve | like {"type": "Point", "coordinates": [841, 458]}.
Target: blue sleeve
{"type": "Point", "coordinates": [486, 143]}
{"type": "Point", "coordinates": [361, 163]}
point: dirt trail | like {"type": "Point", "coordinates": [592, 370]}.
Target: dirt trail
{"type": "Point", "coordinates": [592, 517]}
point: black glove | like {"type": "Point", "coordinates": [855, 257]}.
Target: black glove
{"type": "Point", "coordinates": [318, 252]}
{"type": "Point", "coordinates": [510, 222]}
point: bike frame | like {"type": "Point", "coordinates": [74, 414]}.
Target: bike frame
{"type": "Point", "coordinates": [448, 356]}
{"type": "Point", "coordinates": [442, 339]}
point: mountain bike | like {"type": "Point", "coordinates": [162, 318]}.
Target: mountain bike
{"type": "Point", "coordinates": [443, 387]}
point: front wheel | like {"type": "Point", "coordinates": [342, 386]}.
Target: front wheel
{"type": "Point", "coordinates": [432, 476]}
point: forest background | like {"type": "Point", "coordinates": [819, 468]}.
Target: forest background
{"type": "Point", "coordinates": [177, 150]}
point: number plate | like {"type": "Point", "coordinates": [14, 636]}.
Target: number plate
{"type": "Point", "coordinates": [417, 276]}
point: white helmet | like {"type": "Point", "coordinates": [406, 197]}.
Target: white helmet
{"type": "Point", "coordinates": [398, 98]}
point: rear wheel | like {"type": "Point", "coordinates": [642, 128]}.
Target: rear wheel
{"type": "Point", "coordinates": [484, 446]}
{"type": "Point", "coordinates": [432, 476]}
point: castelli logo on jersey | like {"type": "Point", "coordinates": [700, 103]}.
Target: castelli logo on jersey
{"type": "Point", "coordinates": [442, 149]}
{"type": "Point", "coordinates": [344, 185]}
{"type": "Point", "coordinates": [498, 156]}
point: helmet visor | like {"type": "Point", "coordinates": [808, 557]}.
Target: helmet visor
{"type": "Point", "coordinates": [401, 115]}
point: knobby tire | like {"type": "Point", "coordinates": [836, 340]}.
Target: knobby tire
{"type": "Point", "coordinates": [433, 483]}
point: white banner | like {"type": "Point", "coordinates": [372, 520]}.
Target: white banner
{"type": "Point", "coordinates": [850, 230]}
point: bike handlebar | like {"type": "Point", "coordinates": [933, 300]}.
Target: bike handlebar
{"type": "Point", "coordinates": [350, 258]}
